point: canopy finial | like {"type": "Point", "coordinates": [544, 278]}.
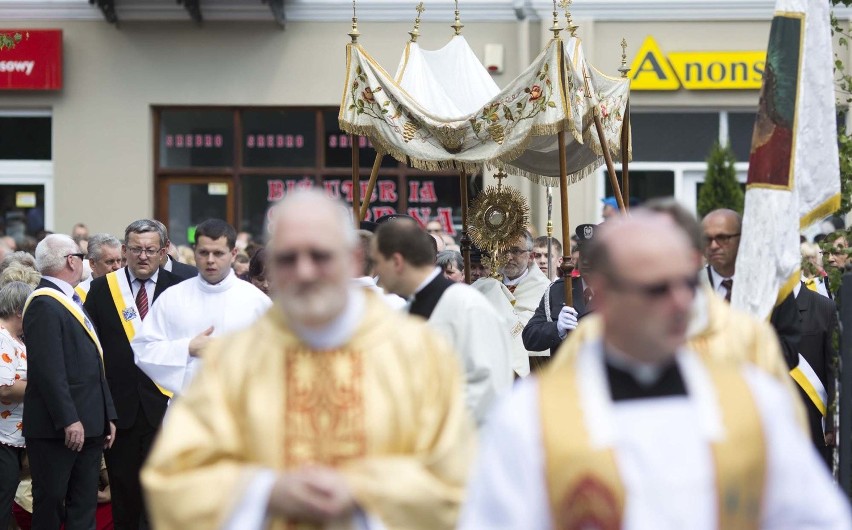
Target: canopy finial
{"type": "Point", "coordinates": [624, 68]}
{"type": "Point", "coordinates": [354, 33]}
{"type": "Point", "coordinates": [416, 31]}
{"type": "Point", "coordinates": [555, 28]}
{"type": "Point", "coordinates": [457, 25]}
{"type": "Point", "coordinates": [569, 24]}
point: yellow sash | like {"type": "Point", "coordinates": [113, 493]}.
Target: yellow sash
{"type": "Point", "coordinates": [584, 485]}
{"type": "Point", "coordinates": [82, 293]}
{"type": "Point", "coordinates": [125, 304]}
{"type": "Point", "coordinates": [804, 375]}
{"type": "Point", "coordinates": [70, 306]}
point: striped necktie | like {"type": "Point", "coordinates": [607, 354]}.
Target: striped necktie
{"type": "Point", "coordinates": [142, 300]}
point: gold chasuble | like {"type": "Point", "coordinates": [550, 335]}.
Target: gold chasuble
{"type": "Point", "coordinates": [584, 485]}
{"type": "Point", "coordinates": [386, 410]}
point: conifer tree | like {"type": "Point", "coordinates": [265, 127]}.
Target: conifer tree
{"type": "Point", "coordinates": [720, 189]}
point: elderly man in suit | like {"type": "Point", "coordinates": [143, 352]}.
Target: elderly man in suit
{"type": "Point", "coordinates": [117, 304]}
{"type": "Point", "coordinates": [68, 410]}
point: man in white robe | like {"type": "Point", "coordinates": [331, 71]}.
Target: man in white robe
{"type": "Point", "coordinates": [636, 432]}
{"type": "Point", "coordinates": [404, 259]}
{"type": "Point", "coordinates": [517, 297]}
{"type": "Point", "coordinates": [186, 316]}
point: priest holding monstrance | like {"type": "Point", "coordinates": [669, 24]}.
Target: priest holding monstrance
{"type": "Point", "coordinates": [332, 411]}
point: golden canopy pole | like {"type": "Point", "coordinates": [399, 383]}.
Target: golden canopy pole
{"type": "Point", "coordinates": [625, 130]}
{"type": "Point", "coordinates": [356, 180]}
{"type": "Point", "coordinates": [604, 146]}
{"type": "Point", "coordinates": [563, 167]}
{"type": "Point", "coordinates": [465, 238]}
{"type": "Point", "coordinates": [356, 163]}
{"type": "Point", "coordinates": [371, 185]}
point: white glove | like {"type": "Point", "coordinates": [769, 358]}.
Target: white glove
{"type": "Point", "coordinates": [567, 321]}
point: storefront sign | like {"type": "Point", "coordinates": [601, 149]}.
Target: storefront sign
{"type": "Point", "coordinates": [422, 197]}
{"type": "Point", "coordinates": [725, 70]}
{"type": "Point", "coordinates": [35, 63]}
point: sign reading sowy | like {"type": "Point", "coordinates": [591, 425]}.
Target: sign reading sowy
{"type": "Point", "coordinates": [726, 70]}
{"type": "Point", "coordinates": [35, 63]}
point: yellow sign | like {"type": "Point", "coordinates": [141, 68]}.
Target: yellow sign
{"type": "Point", "coordinates": [25, 199]}
{"type": "Point", "coordinates": [730, 70]}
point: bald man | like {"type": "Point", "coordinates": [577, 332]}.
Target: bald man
{"type": "Point", "coordinates": [638, 432]}
{"type": "Point", "coordinates": [332, 411]}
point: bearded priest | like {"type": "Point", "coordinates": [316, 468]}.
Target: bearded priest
{"type": "Point", "coordinates": [332, 411]}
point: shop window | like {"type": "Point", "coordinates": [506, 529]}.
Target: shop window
{"type": "Point", "coordinates": [645, 185]}
{"type": "Point", "coordinates": [196, 138]}
{"type": "Point", "coordinates": [740, 131]}
{"type": "Point", "coordinates": [279, 138]}
{"type": "Point", "coordinates": [338, 150]}
{"type": "Point", "coordinates": [673, 137]}
{"type": "Point", "coordinates": [25, 138]}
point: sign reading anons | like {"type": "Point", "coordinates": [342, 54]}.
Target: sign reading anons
{"type": "Point", "coordinates": [35, 63]}
{"type": "Point", "coordinates": [696, 70]}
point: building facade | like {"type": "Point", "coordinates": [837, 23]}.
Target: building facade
{"type": "Point", "coordinates": [162, 115]}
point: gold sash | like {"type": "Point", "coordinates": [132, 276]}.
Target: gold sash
{"type": "Point", "coordinates": [82, 293]}
{"type": "Point", "coordinates": [125, 305]}
{"type": "Point", "coordinates": [584, 485]}
{"type": "Point", "coordinates": [70, 306]}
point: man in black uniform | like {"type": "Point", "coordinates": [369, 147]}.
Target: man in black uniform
{"type": "Point", "coordinates": [553, 320]}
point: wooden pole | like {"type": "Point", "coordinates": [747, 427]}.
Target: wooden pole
{"type": "Point", "coordinates": [371, 185]}
{"type": "Point", "coordinates": [566, 230]}
{"type": "Point", "coordinates": [625, 154]}
{"type": "Point", "coordinates": [608, 157]}
{"type": "Point", "coordinates": [356, 181]}
{"type": "Point", "coordinates": [465, 239]}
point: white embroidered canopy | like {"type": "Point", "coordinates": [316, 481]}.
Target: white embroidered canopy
{"type": "Point", "coordinates": [442, 110]}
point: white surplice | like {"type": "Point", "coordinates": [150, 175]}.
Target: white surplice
{"type": "Point", "coordinates": [471, 325]}
{"type": "Point", "coordinates": [663, 452]}
{"type": "Point", "coordinates": [181, 313]}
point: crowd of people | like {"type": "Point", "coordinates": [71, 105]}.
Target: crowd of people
{"type": "Point", "coordinates": [338, 377]}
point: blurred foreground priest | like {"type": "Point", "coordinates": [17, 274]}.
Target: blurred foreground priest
{"type": "Point", "coordinates": [637, 432]}
{"type": "Point", "coordinates": [339, 412]}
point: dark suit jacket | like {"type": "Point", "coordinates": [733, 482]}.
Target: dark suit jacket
{"type": "Point", "coordinates": [65, 376]}
{"type": "Point", "coordinates": [785, 319]}
{"type": "Point", "coordinates": [130, 387]}
{"type": "Point", "coordinates": [182, 270]}
{"type": "Point", "coordinates": [819, 321]}
{"type": "Point", "coordinates": [540, 333]}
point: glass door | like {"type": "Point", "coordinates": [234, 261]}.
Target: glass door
{"type": "Point", "coordinates": [184, 202]}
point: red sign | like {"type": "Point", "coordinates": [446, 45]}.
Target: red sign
{"type": "Point", "coordinates": [35, 63]}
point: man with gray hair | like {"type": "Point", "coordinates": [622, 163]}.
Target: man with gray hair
{"type": "Point", "coordinates": [104, 255]}
{"type": "Point", "coordinates": [331, 407]}
{"type": "Point", "coordinates": [117, 303]}
{"type": "Point", "coordinates": [68, 408]}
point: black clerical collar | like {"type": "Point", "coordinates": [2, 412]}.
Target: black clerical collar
{"type": "Point", "coordinates": [427, 298]}
{"type": "Point", "coordinates": [626, 382]}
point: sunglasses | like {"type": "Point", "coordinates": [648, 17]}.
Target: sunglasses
{"type": "Point", "coordinates": [290, 259]}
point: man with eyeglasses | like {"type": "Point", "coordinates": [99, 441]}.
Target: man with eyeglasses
{"type": "Point", "coordinates": [170, 342]}
{"type": "Point", "coordinates": [104, 256]}
{"type": "Point", "coordinates": [517, 296]}
{"type": "Point", "coordinates": [118, 302]}
{"type": "Point", "coordinates": [68, 409]}
{"type": "Point", "coordinates": [722, 229]}
{"type": "Point", "coordinates": [638, 431]}
{"type": "Point", "coordinates": [332, 411]}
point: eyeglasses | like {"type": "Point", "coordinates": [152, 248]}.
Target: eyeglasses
{"type": "Point", "coordinates": [721, 239]}
{"type": "Point", "coordinates": [515, 251]}
{"type": "Point", "coordinates": [80, 255]}
{"type": "Point", "coordinates": [137, 251]}
{"type": "Point", "coordinates": [657, 290]}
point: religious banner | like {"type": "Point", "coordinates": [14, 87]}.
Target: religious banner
{"type": "Point", "coordinates": [794, 175]}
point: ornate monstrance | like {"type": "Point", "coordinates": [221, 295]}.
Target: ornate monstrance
{"type": "Point", "coordinates": [498, 217]}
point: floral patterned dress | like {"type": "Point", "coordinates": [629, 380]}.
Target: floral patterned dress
{"type": "Point", "coordinates": [13, 367]}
